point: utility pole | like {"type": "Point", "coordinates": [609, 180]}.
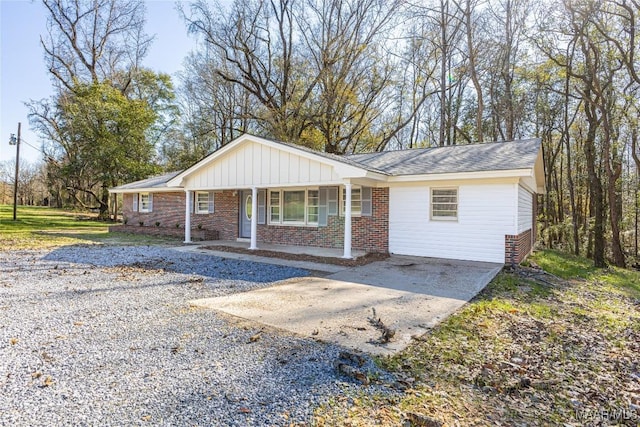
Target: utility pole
{"type": "Point", "coordinates": [16, 141]}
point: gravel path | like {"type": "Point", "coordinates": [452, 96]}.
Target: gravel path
{"type": "Point", "coordinates": [105, 336]}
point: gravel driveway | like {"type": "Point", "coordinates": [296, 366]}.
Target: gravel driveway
{"type": "Point", "coordinates": [101, 335]}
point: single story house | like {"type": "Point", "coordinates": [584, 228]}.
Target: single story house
{"type": "Point", "coordinates": [466, 202]}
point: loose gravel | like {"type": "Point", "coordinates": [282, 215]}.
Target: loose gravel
{"type": "Point", "coordinates": [102, 335]}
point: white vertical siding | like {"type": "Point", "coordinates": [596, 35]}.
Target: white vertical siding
{"type": "Point", "coordinates": [485, 214]}
{"type": "Point", "coordinates": [256, 164]}
{"type": "Point", "coordinates": [525, 209]}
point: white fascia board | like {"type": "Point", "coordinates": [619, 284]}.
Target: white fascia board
{"type": "Point", "coordinates": [511, 173]}
{"type": "Point", "coordinates": [343, 169]}
{"type": "Point", "coordinates": [145, 190]}
{"type": "Point", "coordinates": [267, 186]}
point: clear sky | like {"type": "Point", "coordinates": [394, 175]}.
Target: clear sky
{"type": "Point", "coordinates": [23, 75]}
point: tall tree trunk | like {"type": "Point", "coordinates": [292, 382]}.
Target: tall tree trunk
{"type": "Point", "coordinates": [595, 186]}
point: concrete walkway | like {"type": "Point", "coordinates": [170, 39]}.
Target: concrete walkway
{"type": "Point", "coordinates": [409, 295]}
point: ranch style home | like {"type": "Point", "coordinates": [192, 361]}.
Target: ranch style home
{"type": "Point", "coordinates": [466, 202]}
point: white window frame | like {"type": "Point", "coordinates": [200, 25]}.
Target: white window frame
{"type": "Point", "coordinates": [355, 189]}
{"type": "Point", "coordinates": [143, 206]}
{"type": "Point", "coordinates": [271, 206]}
{"type": "Point", "coordinates": [280, 207]}
{"type": "Point", "coordinates": [199, 202]}
{"type": "Point", "coordinates": [433, 203]}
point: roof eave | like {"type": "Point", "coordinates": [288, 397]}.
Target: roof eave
{"type": "Point", "coordinates": [449, 176]}
{"type": "Point", "coordinates": [145, 190]}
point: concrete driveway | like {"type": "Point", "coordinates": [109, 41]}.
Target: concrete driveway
{"type": "Point", "coordinates": [409, 296]}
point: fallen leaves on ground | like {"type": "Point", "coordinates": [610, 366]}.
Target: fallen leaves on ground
{"type": "Point", "coordinates": [532, 349]}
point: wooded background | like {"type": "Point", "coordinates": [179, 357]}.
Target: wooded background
{"type": "Point", "coordinates": [353, 76]}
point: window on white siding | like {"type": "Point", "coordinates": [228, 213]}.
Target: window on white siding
{"type": "Point", "coordinates": [356, 200]}
{"type": "Point", "coordinates": [444, 203]}
{"type": "Point", "coordinates": [202, 202]}
{"type": "Point", "coordinates": [144, 204]}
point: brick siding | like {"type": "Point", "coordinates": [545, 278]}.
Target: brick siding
{"type": "Point", "coordinates": [516, 248]}
{"type": "Point", "coordinates": [369, 233]}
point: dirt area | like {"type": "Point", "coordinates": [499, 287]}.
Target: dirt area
{"type": "Point", "coordinates": [363, 260]}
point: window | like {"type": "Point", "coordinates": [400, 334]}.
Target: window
{"type": "Point", "coordinates": [274, 206]}
{"type": "Point", "coordinates": [313, 198]}
{"type": "Point", "coordinates": [145, 202]}
{"type": "Point", "coordinates": [356, 200]}
{"type": "Point", "coordinates": [293, 204]}
{"type": "Point", "coordinates": [444, 203]}
{"type": "Point", "coordinates": [202, 202]}
{"type": "Point", "coordinates": [295, 207]}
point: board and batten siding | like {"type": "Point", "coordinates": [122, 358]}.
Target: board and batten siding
{"type": "Point", "coordinates": [525, 209]}
{"type": "Point", "coordinates": [260, 165]}
{"type": "Point", "coordinates": [486, 213]}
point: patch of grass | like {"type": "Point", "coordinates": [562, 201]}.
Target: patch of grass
{"type": "Point", "coordinates": [518, 352]}
{"type": "Point", "coordinates": [563, 265]}
{"type": "Point", "coordinates": [39, 227]}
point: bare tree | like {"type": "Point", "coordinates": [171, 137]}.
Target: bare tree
{"type": "Point", "coordinates": [92, 40]}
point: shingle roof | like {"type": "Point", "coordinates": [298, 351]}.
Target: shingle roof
{"type": "Point", "coordinates": [520, 154]}
{"type": "Point", "coordinates": [158, 181]}
{"type": "Point", "coordinates": [342, 159]}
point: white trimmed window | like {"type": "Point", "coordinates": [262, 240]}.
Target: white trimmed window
{"type": "Point", "coordinates": [274, 206]}
{"type": "Point", "coordinates": [294, 207]}
{"type": "Point", "coordinates": [356, 200]}
{"type": "Point", "coordinates": [444, 204]}
{"type": "Point", "coordinates": [202, 202]}
{"type": "Point", "coordinates": [313, 208]}
{"type": "Point", "coordinates": [144, 202]}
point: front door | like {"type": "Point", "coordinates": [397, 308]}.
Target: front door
{"type": "Point", "coordinates": [245, 214]}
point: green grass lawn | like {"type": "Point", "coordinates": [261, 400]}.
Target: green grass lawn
{"type": "Point", "coordinates": [42, 227]}
{"type": "Point", "coordinates": [531, 349]}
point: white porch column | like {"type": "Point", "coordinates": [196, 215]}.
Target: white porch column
{"type": "Point", "coordinates": [254, 218]}
{"type": "Point", "coordinates": [187, 217]}
{"type": "Point", "coordinates": [347, 221]}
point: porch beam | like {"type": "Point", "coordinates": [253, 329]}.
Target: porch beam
{"type": "Point", "coordinates": [347, 221]}
{"type": "Point", "coordinates": [187, 217]}
{"type": "Point", "coordinates": [254, 218]}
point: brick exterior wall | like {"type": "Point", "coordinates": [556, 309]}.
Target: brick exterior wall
{"type": "Point", "coordinates": [168, 209]}
{"type": "Point", "coordinates": [369, 233]}
{"type": "Point", "coordinates": [516, 248]}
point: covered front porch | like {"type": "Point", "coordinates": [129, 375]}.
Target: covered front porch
{"type": "Point", "coordinates": [257, 218]}
{"type": "Point", "coordinates": [284, 249]}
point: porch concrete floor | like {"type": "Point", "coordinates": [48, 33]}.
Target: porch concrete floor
{"type": "Point", "coordinates": [409, 295]}
{"type": "Point", "coordinates": [290, 249]}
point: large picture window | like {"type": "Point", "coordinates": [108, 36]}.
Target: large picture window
{"type": "Point", "coordinates": [293, 205]}
{"type": "Point", "coordinates": [299, 207]}
{"type": "Point", "coordinates": [444, 203]}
